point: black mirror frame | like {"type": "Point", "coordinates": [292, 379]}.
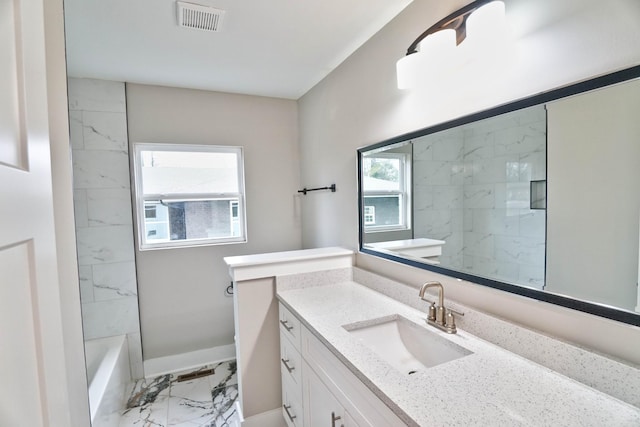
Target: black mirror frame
{"type": "Point", "coordinates": [601, 310]}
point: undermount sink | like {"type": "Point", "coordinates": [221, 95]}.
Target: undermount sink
{"type": "Point", "coordinates": [406, 346]}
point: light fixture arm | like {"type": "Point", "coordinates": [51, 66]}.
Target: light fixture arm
{"type": "Point", "coordinates": [454, 21]}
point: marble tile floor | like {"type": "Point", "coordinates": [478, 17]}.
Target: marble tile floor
{"type": "Point", "coordinates": [202, 402]}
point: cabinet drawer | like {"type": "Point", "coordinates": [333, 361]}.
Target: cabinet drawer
{"type": "Point", "coordinates": [290, 362]}
{"type": "Point", "coordinates": [290, 326]}
{"type": "Point", "coordinates": [292, 411]}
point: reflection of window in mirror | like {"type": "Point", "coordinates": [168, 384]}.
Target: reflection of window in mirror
{"type": "Point", "coordinates": [386, 184]}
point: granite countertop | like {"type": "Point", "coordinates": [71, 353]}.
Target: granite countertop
{"type": "Point", "coordinates": [491, 387]}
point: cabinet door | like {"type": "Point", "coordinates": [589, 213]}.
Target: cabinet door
{"type": "Point", "coordinates": [323, 409]}
{"type": "Point", "coordinates": [361, 406]}
{"type": "Point", "coordinates": [348, 420]}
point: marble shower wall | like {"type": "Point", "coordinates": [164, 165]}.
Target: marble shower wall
{"type": "Point", "coordinates": [102, 201]}
{"type": "Point", "coordinates": [438, 179]}
{"type": "Point", "coordinates": [471, 189]}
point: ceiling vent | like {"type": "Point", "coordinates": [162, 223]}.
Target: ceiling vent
{"type": "Point", "coordinates": [199, 17]}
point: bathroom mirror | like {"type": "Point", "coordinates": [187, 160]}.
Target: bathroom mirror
{"type": "Point", "coordinates": [538, 197]}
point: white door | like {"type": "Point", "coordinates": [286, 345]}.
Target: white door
{"type": "Point", "coordinates": [33, 386]}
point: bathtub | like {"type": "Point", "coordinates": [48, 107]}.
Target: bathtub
{"type": "Point", "coordinates": [108, 374]}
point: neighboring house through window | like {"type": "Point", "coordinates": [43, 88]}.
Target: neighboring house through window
{"type": "Point", "coordinates": [189, 195]}
{"type": "Point", "coordinates": [369, 215]}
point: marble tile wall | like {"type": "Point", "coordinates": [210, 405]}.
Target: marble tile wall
{"type": "Point", "coordinates": [102, 202]}
{"type": "Point", "coordinates": [438, 171]}
{"type": "Point", "coordinates": [471, 189]}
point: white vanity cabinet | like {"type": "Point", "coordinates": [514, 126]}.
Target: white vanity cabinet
{"type": "Point", "coordinates": [320, 391]}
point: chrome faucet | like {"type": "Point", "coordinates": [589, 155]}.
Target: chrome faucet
{"type": "Point", "coordinates": [439, 316]}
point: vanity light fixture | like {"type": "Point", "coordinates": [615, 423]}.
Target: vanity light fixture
{"type": "Point", "coordinates": [440, 51]}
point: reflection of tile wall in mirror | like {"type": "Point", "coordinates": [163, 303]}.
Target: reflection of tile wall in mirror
{"type": "Point", "coordinates": [471, 189]}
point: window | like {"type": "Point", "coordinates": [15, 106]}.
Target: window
{"type": "Point", "coordinates": [385, 183]}
{"type": "Point", "coordinates": [189, 195]}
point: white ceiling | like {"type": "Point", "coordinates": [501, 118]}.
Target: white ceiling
{"type": "Point", "coordinates": [278, 48]}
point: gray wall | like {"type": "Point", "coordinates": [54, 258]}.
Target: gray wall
{"type": "Point", "coordinates": [359, 104]}
{"type": "Point", "coordinates": [181, 291]}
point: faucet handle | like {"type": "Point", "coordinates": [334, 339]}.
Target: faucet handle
{"type": "Point", "coordinates": [450, 320]}
{"type": "Point", "coordinates": [450, 323]}
{"type": "Point", "coordinates": [432, 311]}
{"type": "Point", "coordinates": [432, 308]}
{"type": "Point", "coordinates": [459, 313]}
{"type": "Point", "coordinates": [427, 300]}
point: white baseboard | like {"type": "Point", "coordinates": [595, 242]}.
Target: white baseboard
{"type": "Point", "coordinates": [271, 418]}
{"type": "Point", "coordinates": [191, 360]}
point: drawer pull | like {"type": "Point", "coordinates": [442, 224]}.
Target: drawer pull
{"type": "Point", "coordinates": [335, 418]}
{"type": "Point", "coordinates": [286, 409]}
{"type": "Point", "coordinates": [286, 326]}
{"type": "Point", "coordinates": [286, 365]}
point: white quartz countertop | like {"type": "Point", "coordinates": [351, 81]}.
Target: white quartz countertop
{"type": "Point", "coordinates": [287, 256]}
{"type": "Point", "coordinates": [248, 267]}
{"type": "Point", "coordinates": [407, 243]}
{"type": "Point", "coordinates": [491, 387]}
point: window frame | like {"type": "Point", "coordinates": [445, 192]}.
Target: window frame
{"type": "Point", "coordinates": [403, 193]}
{"type": "Point", "coordinates": [140, 198]}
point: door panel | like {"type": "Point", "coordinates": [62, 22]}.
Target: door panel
{"type": "Point", "coordinates": [19, 339]}
{"type": "Point", "coordinates": [33, 381]}
{"type": "Point", "coordinates": [11, 123]}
